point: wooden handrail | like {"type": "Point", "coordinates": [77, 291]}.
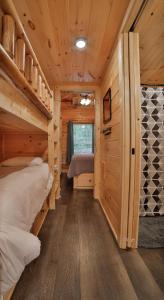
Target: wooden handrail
{"type": "Point", "coordinates": [11, 69]}
{"type": "Point", "coordinates": [9, 8]}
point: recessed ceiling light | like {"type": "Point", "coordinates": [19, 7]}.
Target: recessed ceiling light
{"type": "Point", "coordinates": [80, 43]}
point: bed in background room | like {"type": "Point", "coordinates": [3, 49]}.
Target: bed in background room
{"type": "Point", "coordinates": [81, 169]}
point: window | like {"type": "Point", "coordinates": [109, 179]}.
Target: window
{"type": "Point", "coordinates": [83, 138]}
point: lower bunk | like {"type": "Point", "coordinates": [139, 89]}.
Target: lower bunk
{"type": "Point", "coordinates": [23, 208]}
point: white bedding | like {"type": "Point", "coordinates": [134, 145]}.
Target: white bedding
{"type": "Point", "coordinates": [22, 195]}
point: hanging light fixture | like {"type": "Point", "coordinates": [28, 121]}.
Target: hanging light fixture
{"type": "Point", "coordinates": [85, 100]}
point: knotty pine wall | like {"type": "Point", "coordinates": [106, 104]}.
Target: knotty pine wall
{"type": "Point", "coordinates": [20, 144]}
{"type": "Point", "coordinates": [112, 190]}
{"type": "Point", "coordinates": [77, 114]}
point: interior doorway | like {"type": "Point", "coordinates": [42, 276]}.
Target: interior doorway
{"type": "Point", "coordinates": [79, 136]}
{"type": "Point", "coordinates": [146, 208]}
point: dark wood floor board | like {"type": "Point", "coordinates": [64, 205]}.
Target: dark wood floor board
{"type": "Point", "coordinates": [142, 279]}
{"type": "Point", "coordinates": [154, 260]}
{"type": "Point", "coordinates": [102, 272]}
{"type": "Point", "coordinates": [38, 279]}
{"type": "Point", "coordinates": [67, 284]}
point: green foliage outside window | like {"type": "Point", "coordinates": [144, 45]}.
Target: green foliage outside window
{"type": "Point", "coordinates": [83, 138]}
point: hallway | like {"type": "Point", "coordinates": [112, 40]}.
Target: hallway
{"type": "Point", "coordinates": [80, 259]}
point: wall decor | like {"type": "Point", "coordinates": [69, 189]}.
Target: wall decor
{"type": "Point", "coordinates": [107, 107]}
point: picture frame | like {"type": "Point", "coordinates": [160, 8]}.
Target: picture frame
{"type": "Point", "coordinates": [107, 107]}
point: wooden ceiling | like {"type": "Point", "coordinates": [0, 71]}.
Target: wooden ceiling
{"type": "Point", "coordinates": [151, 34]}
{"type": "Point", "coordinates": [53, 25]}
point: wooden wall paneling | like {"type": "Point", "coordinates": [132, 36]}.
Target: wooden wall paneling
{"type": "Point", "coordinates": [115, 147]}
{"type": "Point", "coordinates": [8, 34]}
{"type": "Point", "coordinates": [22, 144]}
{"type": "Point", "coordinates": [12, 101]}
{"type": "Point", "coordinates": [134, 198]}
{"type": "Point", "coordinates": [110, 162]}
{"type": "Point", "coordinates": [20, 54]}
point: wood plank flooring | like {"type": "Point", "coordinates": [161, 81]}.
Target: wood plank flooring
{"type": "Point", "coordinates": [80, 259]}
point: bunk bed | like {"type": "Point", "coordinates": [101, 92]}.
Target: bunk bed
{"type": "Point", "coordinates": [26, 110]}
{"type": "Point", "coordinates": [23, 192]}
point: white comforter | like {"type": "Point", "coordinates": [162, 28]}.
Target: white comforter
{"type": "Point", "coordinates": [21, 197]}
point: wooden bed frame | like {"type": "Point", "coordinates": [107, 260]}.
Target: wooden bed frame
{"type": "Point", "coordinates": [84, 181]}
{"type": "Point", "coordinates": [27, 100]}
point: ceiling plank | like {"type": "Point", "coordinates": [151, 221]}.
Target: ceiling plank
{"type": "Point", "coordinates": [151, 36]}
{"type": "Point", "coordinates": [52, 27]}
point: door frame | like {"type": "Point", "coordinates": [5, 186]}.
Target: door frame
{"type": "Point", "coordinates": [135, 140]}
{"type": "Point", "coordinates": [96, 90]}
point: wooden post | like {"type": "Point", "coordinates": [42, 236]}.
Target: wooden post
{"type": "Point", "coordinates": [40, 86]}
{"type": "Point", "coordinates": [20, 54]}
{"type": "Point", "coordinates": [135, 160]}
{"type": "Point", "coordinates": [46, 96]}
{"type": "Point", "coordinates": [51, 155]}
{"type": "Point", "coordinates": [43, 93]}
{"type": "Point", "coordinates": [35, 78]}
{"type": "Point", "coordinates": [48, 100]}
{"type": "Point", "coordinates": [97, 161]}
{"type": "Point", "coordinates": [8, 34]}
{"type": "Point", "coordinates": [1, 23]}
{"type": "Point", "coordinates": [28, 67]}
{"type": "Point", "coordinates": [57, 123]}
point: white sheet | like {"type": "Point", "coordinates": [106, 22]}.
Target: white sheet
{"type": "Point", "coordinates": [22, 195]}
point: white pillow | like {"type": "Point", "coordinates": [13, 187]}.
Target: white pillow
{"type": "Point", "coordinates": [36, 161]}
{"type": "Point", "coordinates": [22, 162]}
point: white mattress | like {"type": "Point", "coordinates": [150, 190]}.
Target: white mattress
{"type": "Point", "coordinates": [22, 194]}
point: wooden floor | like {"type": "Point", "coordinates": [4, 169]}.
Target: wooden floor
{"type": "Point", "coordinates": [80, 259]}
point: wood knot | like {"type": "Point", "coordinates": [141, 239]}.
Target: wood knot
{"type": "Point", "coordinates": [49, 43]}
{"type": "Point", "coordinates": [31, 24]}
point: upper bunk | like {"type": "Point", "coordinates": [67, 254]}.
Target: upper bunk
{"type": "Point", "coordinates": [24, 90]}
